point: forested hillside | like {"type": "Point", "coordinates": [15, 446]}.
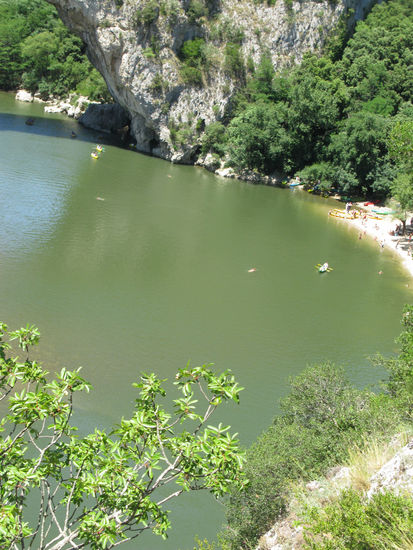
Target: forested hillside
{"type": "Point", "coordinates": [38, 53]}
{"type": "Point", "coordinates": [336, 119]}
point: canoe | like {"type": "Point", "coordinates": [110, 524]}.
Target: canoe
{"type": "Point", "coordinates": [335, 212]}
{"type": "Point", "coordinates": [371, 216]}
{"type": "Point", "coordinates": [353, 214]}
{"type": "Point", "coordinates": [383, 213]}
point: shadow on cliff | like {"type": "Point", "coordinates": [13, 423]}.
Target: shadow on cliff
{"type": "Point", "coordinates": [57, 127]}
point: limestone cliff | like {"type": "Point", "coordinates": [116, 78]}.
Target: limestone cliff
{"type": "Point", "coordinates": [137, 46]}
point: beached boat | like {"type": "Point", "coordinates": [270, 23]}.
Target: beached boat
{"type": "Point", "coordinates": [382, 213]}
{"type": "Point", "coordinates": [372, 216]}
{"type": "Point", "coordinates": [335, 212]}
{"type": "Point", "coordinates": [353, 214]}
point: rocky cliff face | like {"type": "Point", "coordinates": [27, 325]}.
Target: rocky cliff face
{"type": "Point", "coordinates": [137, 46]}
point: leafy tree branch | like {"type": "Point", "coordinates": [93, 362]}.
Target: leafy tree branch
{"type": "Point", "coordinates": [102, 489]}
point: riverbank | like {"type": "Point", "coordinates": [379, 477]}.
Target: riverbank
{"type": "Point", "coordinates": [109, 118]}
{"type": "Point", "coordinates": [383, 231]}
{"type": "Point", "coordinates": [380, 230]}
{"type": "Point", "coordinates": [74, 105]}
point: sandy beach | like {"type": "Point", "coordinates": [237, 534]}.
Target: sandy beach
{"type": "Point", "coordinates": [381, 231]}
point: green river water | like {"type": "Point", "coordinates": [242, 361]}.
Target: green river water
{"type": "Point", "coordinates": [156, 274]}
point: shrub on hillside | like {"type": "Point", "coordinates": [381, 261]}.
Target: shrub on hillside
{"type": "Point", "coordinates": [321, 419]}
{"type": "Point", "coordinates": [354, 523]}
{"type": "Point", "coordinates": [148, 14]}
{"type": "Point", "coordinates": [400, 383]}
{"type": "Point", "coordinates": [192, 57]}
{"type": "Point", "coordinates": [213, 140]}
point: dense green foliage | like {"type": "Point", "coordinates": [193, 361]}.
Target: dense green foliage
{"type": "Point", "coordinates": [353, 523]}
{"type": "Point", "coordinates": [336, 119]}
{"type": "Point", "coordinates": [400, 383]}
{"type": "Point", "coordinates": [38, 53]}
{"type": "Point", "coordinates": [322, 418]}
{"type": "Point", "coordinates": [192, 56]}
{"type": "Point", "coordinates": [98, 490]}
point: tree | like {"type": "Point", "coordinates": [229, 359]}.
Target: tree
{"type": "Point", "coordinates": [257, 138]}
{"type": "Point", "coordinates": [319, 176]}
{"type": "Point", "coordinates": [260, 87]}
{"type": "Point", "coordinates": [401, 144]}
{"type": "Point", "coordinates": [358, 150]}
{"type": "Point", "coordinates": [402, 191]}
{"type": "Point", "coordinates": [312, 116]}
{"type": "Point", "coordinates": [401, 152]}
{"type": "Point", "coordinates": [400, 368]}
{"type": "Point", "coordinates": [10, 59]}
{"type": "Point", "coordinates": [38, 51]}
{"type": "Point", "coordinates": [102, 489]}
{"type": "Point", "coordinates": [214, 139]}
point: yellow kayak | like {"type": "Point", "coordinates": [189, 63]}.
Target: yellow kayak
{"type": "Point", "coordinates": [343, 214]}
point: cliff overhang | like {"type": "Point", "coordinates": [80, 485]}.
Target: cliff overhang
{"type": "Point", "coordinates": [137, 45]}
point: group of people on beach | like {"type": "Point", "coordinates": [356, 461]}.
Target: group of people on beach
{"type": "Point", "coordinates": [386, 230]}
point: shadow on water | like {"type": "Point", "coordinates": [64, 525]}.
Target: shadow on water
{"type": "Point", "coordinates": [57, 127]}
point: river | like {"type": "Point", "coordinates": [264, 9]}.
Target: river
{"type": "Point", "coordinates": [156, 274]}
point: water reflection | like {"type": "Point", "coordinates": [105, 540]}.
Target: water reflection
{"type": "Point", "coordinates": [44, 125]}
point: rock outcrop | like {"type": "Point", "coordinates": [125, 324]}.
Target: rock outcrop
{"type": "Point", "coordinates": [137, 46]}
{"type": "Point", "coordinates": [107, 118]}
{"type": "Point", "coordinates": [395, 475]}
{"type": "Point", "coordinates": [24, 95]}
{"type": "Point", "coordinates": [73, 106]}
